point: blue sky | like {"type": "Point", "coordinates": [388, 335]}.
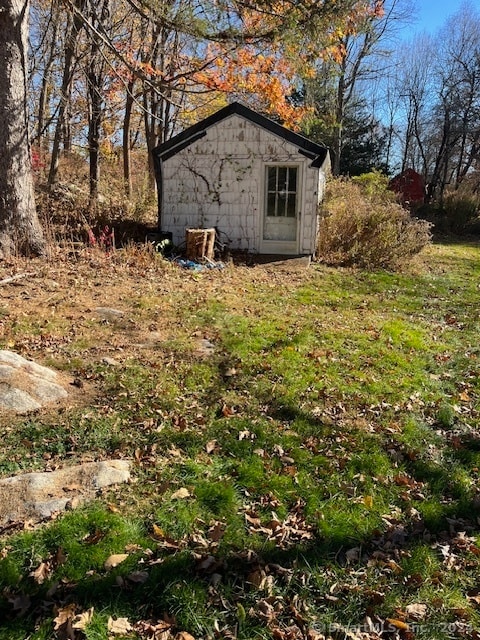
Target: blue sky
{"type": "Point", "coordinates": [432, 14]}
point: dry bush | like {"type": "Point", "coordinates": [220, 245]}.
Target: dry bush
{"type": "Point", "coordinates": [68, 217]}
{"type": "Point", "coordinates": [460, 211]}
{"type": "Point", "coordinates": [366, 229]}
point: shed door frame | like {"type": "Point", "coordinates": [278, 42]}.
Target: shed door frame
{"type": "Point", "coordinates": [286, 245]}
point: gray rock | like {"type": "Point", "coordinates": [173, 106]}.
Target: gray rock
{"type": "Point", "coordinates": [27, 386]}
{"type": "Point", "coordinates": [205, 347]}
{"type": "Point", "coordinates": [17, 400]}
{"type": "Point", "coordinates": [19, 362]}
{"type": "Point", "coordinates": [36, 496]}
{"type": "Point", "coordinates": [6, 371]}
{"type": "Point", "coordinates": [111, 362]}
{"type": "Point", "coordinates": [111, 472]}
{"type": "Point", "coordinates": [109, 314]}
{"type": "Point", "coordinates": [47, 391]}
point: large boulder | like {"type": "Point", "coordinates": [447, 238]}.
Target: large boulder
{"type": "Point", "coordinates": [38, 496]}
{"type": "Point", "coordinates": [27, 386]}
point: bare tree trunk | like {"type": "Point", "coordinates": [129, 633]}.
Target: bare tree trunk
{"type": "Point", "coordinates": [68, 65]}
{"type": "Point", "coordinates": [94, 127]}
{"type": "Point", "coordinates": [339, 120]}
{"type": "Point", "coordinates": [95, 79]}
{"type": "Point", "coordinates": [20, 229]}
{"type": "Point", "coordinates": [41, 138]}
{"type": "Point", "coordinates": [127, 122]}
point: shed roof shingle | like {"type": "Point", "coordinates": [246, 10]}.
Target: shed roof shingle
{"type": "Point", "coordinates": [316, 152]}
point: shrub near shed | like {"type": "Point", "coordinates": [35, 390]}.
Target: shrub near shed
{"type": "Point", "coordinates": [361, 226]}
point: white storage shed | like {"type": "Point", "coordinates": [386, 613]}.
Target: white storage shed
{"type": "Point", "coordinates": [256, 182]}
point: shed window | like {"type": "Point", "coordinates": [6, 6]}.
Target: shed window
{"type": "Point", "coordinates": [281, 191]}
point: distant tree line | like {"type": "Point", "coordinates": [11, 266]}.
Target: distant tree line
{"type": "Point", "coordinates": [111, 76]}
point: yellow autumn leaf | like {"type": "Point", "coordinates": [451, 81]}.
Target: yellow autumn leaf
{"type": "Point", "coordinates": [398, 624]}
{"type": "Point", "coordinates": [181, 494]}
{"type": "Point", "coordinates": [158, 532]}
{"type": "Point", "coordinates": [114, 560]}
{"type": "Point", "coordinates": [368, 501]}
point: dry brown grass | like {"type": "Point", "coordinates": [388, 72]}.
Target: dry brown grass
{"type": "Point", "coordinates": [51, 313]}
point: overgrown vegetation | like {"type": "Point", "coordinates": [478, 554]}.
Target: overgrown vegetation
{"type": "Point", "coordinates": [313, 474]}
{"type": "Point", "coordinates": [458, 213]}
{"type": "Point", "coordinates": [362, 225]}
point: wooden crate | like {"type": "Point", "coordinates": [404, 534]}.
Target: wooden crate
{"type": "Point", "coordinates": [200, 244]}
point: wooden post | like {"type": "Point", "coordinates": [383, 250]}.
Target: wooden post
{"type": "Point", "coordinates": [200, 244]}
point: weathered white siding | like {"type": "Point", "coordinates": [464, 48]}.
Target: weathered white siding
{"type": "Point", "coordinates": [218, 181]}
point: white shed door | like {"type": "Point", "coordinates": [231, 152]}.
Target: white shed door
{"type": "Point", "coordinates": [281, 212]}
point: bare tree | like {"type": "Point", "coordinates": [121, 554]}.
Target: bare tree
{"type": "Point", "coordinates": [74, 27]}
{"type": "Point", "coordinates": [99, 17]}
{"type": "Point", "coordinates": [437, 85]}
{"type": "Point", "coordinates": [361, 59]}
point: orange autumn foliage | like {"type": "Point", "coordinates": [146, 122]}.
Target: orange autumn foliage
{"type": "Point", "coordinates": [260, 78]}
{"type": "Point", "coordinates": [264, 76]}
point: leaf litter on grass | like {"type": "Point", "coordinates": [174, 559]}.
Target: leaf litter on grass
{"type": "Point", "coordinates": [345, 506]}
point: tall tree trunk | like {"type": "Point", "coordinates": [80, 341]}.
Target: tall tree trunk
{"type": "Point", "coordinates": [41, 138]}
{"type": "Point", "coordinates": [67, 76]}
{"type": "Point", "coordinates": [20, 229]}
{"type": "Point", "coordinates": [94, 127]}
{"type": "Point", "coordinates": [339, 118]}
{"type": "Point", "coordinates": [127, 122]}
{"type": "Point", "coordinates": [95, 79]}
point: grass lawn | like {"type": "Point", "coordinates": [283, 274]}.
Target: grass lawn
{"type": "Point", "coordinates": [310, 472]}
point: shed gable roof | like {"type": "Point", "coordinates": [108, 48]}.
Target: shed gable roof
{"type": "Point", "coordinates": [316, 152]}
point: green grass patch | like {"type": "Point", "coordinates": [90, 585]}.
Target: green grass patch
{"type": "Point", "coordinates": [320, 466]}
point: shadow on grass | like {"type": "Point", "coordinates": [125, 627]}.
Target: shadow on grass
{"type": "Point", "coordinates": [199, 584]}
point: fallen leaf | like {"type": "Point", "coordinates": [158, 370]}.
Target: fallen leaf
{"type": "Point", "coordinates": [154, 630]}
{"type": "Point", "coordinates": [181, 494]}
{"type": "Point", "coordinates": [265, 611]}
{"type": "Point", "coordinates": [474, 598]}
{"type": "Point", "coordinates": [416, 611]}
{"type": "Point", "coordinates": [114, 560]}
{"type": "Point", "coordinates": [227, 411]}
{"type": "Point", "coordinates": [257, 578]}
{"type": "Point", "coordinates": [138, 576]}
{"type": "Point", "coordinates": [207, 563]}
{"type": "Point", "coordinates": [210, 446]}
{"type": "Point", "coordinates": [119, 627]}
{"type": "Point", "coordinates": [94, 537]}
{"type": "Point", "coordinates": [64, 615]}
{"type": "Point", "coordinates": [158, 532]}
{"type": "Point", "coordinates": [81, 620]}
{"type": "Point", "coordinates": [113, 508]}
{"type": "Point", "coordinates": [60, 557]}
{"type": "Point", "coordinates": [42, 572]}
{"type": "Point", "coordinates": [241, 613]}
{"type": "Point", "coordinates": [398, 624]}
{"type": "Point", "coordinates": [368, 501]}
{"type": "Point", "coordinates": [216, 531]}
{"type": "Point", "coordinates": [353, 555]}
{"type": "Point", "coordinates": [183, 635]}
{"type": "Point", "coordinates": [21, 603]}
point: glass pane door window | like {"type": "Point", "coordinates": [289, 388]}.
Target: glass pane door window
{"type": "Point", "coordinates": [281, 191]}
